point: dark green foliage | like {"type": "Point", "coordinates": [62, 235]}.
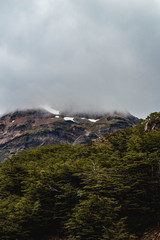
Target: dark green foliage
{"type": "Point", "coordinates": [91, 192]}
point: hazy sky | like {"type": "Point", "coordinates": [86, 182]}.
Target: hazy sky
{"type": "Point", "coordinates": [97, 55]}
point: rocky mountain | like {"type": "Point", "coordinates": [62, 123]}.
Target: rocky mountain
{"type": "Point", "coordinates": [26, 129]}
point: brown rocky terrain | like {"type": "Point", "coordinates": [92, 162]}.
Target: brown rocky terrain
{"type": "Point", "coordinates": [22, 130]}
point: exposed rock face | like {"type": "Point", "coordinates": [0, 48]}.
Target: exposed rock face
{"type": "Point", "coordinates": [32, 128]}
{"type": "Point", "coordinates": [152, 122]}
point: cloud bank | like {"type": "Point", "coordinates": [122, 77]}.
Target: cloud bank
{"type": "Point", "coordinates": [97, 55]}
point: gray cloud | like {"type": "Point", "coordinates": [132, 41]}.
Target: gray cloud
{"type": "Point", "coordinates": [96, 54]}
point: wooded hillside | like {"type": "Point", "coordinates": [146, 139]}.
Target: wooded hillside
{"type": "Point", "coordinates": [98, 191]}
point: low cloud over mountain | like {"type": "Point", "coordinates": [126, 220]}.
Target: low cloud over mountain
{"type": "Point", "coordinates": [86, 55]}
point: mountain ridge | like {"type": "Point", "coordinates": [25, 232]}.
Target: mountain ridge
{"type": "Point", "coordinates": [24, 129]}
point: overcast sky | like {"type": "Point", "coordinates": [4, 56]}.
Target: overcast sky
{"type": "Point", "coordinates": [97, 55]}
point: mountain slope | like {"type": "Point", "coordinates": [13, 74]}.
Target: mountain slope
{"type": "Point", "coordinates": [22, 130]}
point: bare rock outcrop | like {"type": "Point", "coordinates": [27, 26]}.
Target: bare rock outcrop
{"type": "Point", "coordinates": [22, 130]}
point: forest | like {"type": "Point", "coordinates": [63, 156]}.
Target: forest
{"type": "Point", "coordinates": [107, 189]}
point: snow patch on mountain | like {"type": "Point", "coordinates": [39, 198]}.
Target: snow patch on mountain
{"type": "Point", "coordinates": [93, 120]}
{"type": "Point", "coordinates": [51, 110]}
{"type": "Point", "coordinates": [69, 119]}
